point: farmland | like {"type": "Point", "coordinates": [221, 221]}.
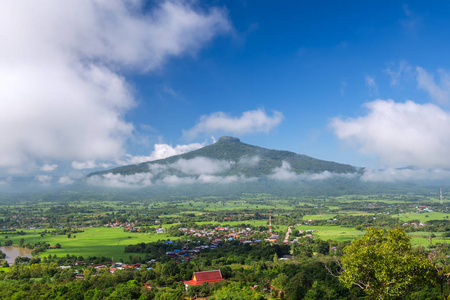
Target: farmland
{"type": "Point", "coordinates": [232, 234]}
{"type": "Point", "coordinates": [104, 228]}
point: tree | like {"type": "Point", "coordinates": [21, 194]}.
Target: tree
{"type": "Point", "coordinates": [384, 264]}
{"type": "Point", "coordinates": [298, 286]}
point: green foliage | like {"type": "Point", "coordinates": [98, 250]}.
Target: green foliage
{"type": "Point", "coordinates": [237, 292]}
{"type": "Point", "coordinates": [384, 264]}
{"type": "Point", "coordinates": [298, 286]}
{"type": "Point", "coordinates": [232, 149]}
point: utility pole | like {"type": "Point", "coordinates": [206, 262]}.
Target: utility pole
{"type": "Point", "coordinates": [270, 223]}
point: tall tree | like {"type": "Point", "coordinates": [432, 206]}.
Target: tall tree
{"type": "Point", "coordinates": [384, 264]}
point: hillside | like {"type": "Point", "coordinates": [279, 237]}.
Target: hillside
{"type": "Point", "coordinates": [243, 159]}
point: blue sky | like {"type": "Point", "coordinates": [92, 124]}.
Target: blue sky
{"type": "Point", "coordinates": [360, 82]}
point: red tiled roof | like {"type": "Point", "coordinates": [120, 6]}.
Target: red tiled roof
{"type": "Point", "coordinates": [208, 276]}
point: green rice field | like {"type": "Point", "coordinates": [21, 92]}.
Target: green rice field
{"type": "Point", "coordinates": [100, 241]}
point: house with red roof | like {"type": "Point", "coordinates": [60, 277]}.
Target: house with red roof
{"type": "Point", "coordinates": [198, 278]}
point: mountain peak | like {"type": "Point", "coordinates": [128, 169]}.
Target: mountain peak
{"type": "Point", "coordinates": [229, 139]}
{"type": "Point", "coordinates": [243, 160]}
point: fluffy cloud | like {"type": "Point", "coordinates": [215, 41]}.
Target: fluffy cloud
{"type": "Point", "coordinates": [249, 161]}
{"type": "Point", "coordinates": [122, 181]}
{"type": "Point", "coordinates": [49, 168]}
{"type": "Point", "coordinates": [162, 151]}
{"type": "Point", "coordinates": [61, 92]}
{"type": "Point", "coordinates": [439, 92]}
{"type": "Point", "coordinates": [200, 170]}
{"type": "Point", "coordinates": [371, 85]}
{"type": "Point", "coordinates": [141, 180]}
{"type": "Point", "coordinates": [285, 172]}
{"type": "Point", "coordinates": [405, 174]}
{"type": "Point", "coordinates": [90, 164]}
{"type": "Point", "coordinates": [44, 179]}
{"type": "Point", "coordinates": [201, 165]}
{"type": "Point", "coordinates": [400, 134]}
{"type": "Point", "coordinates": [65, 180]}
{"type": "Point", "coordinates": [204, 178]}
{"type": "Point", "coordinates": [396, 74]}
{"type": "Point", "coordinates": [183, 171]}
{"type": "Point", "coordinates": [249, 122]}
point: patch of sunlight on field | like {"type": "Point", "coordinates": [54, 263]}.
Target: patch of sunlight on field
{"type": "Point", "coordinates": [94, 241]}
{"type": "Point", "coordinates": [336, 233]}
{"type": "Point", "coordinates": [422, 217]}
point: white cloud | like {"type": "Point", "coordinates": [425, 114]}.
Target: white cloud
{"type": "Point", "coordinates": [62, 95]}
{"type": "Point", "coordinates": [183, 171]}
{"type": "Point", "coordinates": [157, 168]}
{"type": "Point", "coordinates": [203, 179]}
{"type": "Point", "coordinates": [200, 170]}
{"type": "Point", "coordinates": [249, 122]}
{"type": "Point", "coordinates": [65, 180]}
{"type": "Point", "coordinates": [321, 176]}
{"type": "Point", "coordinates": [176, 180]}
{"type": "Point", "coordinates": [90, 164]}
{"type": "Point", "coordinates": [284, 172]}
{"type": "Point", "coordinates": [141, 180]}
{"type": "Point", "coordinates": [162, 151]}
{"type": "Point", "coordinates": [397, 74]}
{"type": "Point", "coordinates": [49, 168]}
{"type": "Point", "coordinates": [371, 85]}
{"type": "Point", "coordinates": [44, 179]}
{"type": "Point", "coordinates": [122, 181]}
{"type": "Point", "coordinates": [201, 165]}
{"type": "Point", "coordinates": [249, 161]}
{"type": "Point", "coordinates": [406, 174]}
{"type": "Point", "coordinates": [195, 166]}
{"type": "Point", "coordinates": [439, 92]}
{"type": "Point", "coordinates": [400, 134]}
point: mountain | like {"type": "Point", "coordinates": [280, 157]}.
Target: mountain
{"type": "Point", "coordinates": [229, 156]}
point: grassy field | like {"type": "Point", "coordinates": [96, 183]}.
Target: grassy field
{"type": "Point", "coordinates": [335, 233]}
{"type": "Point", "coordinates": [108, 242]}
{"type": "Point", "coordinates": [319, 217]}
{"type": "Point", "coordinates": [422, 238]}
{"type": "Point", "coordinates": [338, 233]}
{"type": "Point", "coordinates": [422, 217]}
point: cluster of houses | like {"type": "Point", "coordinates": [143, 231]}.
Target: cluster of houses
{"type": "Point", "coordinates": [215, 236]}
{"type": "Point", "coordinates": [424, 209]}
{"type": "Point", "coordinates": [125, 226]}
{"type": "Point", "coordinates": [112, 267]}
{"type": "Point", "coordinates": [185, 254]}
{"type": "Point", "coordinates": [220, 234]}
{"type": "Point", "coordinates": [198, 278]}
{"type": "Point", "coordinates": [219, 231]}
{"type": "Point", "coordinates": [415, 224]}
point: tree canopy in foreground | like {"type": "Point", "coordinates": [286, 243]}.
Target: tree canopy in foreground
{"type": "Point", "coordinates": [384, 264]}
